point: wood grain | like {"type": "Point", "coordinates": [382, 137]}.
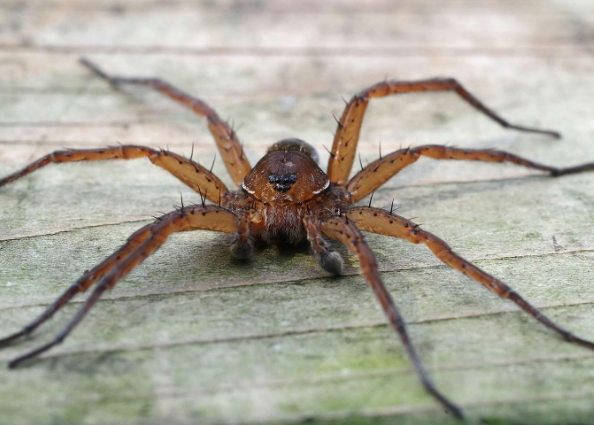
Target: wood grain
{"type": "Point", "coordinates": [193, 336]}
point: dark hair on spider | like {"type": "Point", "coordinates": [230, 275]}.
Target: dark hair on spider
{"type": "Point", "coordinates": [293, 144]}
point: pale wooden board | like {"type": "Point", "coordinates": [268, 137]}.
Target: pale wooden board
{"type": "Point", "coordinates": [193, 336]}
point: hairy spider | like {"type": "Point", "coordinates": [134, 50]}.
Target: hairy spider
{"type": "Point", "coordinates": [287, 198]}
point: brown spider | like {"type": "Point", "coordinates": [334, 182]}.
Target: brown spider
{"type": "Point", "coordinates": [287, 199]}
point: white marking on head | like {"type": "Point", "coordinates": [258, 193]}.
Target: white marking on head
{"type": "Point", "coordinates": [251, 192]}
{"type": "Point", "coordinates": [322, 189]}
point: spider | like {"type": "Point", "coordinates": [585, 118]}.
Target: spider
{"type": "Point", "coordinates": [286, 198]}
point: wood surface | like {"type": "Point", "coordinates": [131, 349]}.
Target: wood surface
{"type": "Point", "coordinates": [194, 337]}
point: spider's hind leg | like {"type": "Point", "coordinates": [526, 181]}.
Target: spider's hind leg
{"type": "Point", "coordinates": [349, 125]}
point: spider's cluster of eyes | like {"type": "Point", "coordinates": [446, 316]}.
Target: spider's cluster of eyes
{"type": "Point", "coordinates": [282, 183]}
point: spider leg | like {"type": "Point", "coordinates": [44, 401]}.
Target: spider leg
{"type": "Point", "coordinates": [242, 246]}
{"type": "Point", "coordinates": [381, 170]}
{"type": "Point", "coordinates": [327, 258]}
{"type": "Point", "coordinates": [379, 221]}
{"type": "Point", "coordinates": [349, 125]}
{"type": "Point", "coordinates": [142, 244]}
{"type": "Point", "coordinates": [229, 146]}
{"type": "Point", "coordinates": [83, 283]}
{"type": "Point", "coordinates": [345, 231]}
{"type": "Point", "coordinates": [189, 172]}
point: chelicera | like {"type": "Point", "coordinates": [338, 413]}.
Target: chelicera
{"type": "Point", "coordinates": [286, 198]}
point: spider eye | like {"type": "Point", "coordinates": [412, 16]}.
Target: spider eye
{"type": "Point", "coordinates": [282, 182]}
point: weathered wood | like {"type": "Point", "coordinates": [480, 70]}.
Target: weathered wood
{"type": "Point", "coordinates": [193, 336]}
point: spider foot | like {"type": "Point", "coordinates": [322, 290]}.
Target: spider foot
{"type": "Point", "coordinates": [450, 407]}
{"type": "Point", "coordinates": [331, 261]}
{"type": "Point", "coordinates": [242, 251]}
{"type": "Point", "coordinates": [569, 337]}
{"type": "Point", "coordinates": [94, 68]}
{"type": "Point", "coordinates": [14, 337]}
{"type": "Point", "coordinates": [13, 364]}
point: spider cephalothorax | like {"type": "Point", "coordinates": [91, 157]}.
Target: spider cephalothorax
{"type": "Point", "coordinates": [287, 199]}
{"type": "Point", "coordinates": [283, 187]}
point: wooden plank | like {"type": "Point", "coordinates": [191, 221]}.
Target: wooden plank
{"type": "Point", "coordinates": [191, 337]}
{"type": "Point", "coordinates": [497, 27]}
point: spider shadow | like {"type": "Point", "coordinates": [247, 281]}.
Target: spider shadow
{"type": "Point", "coordinates": [288, 253]}
{"type": "Point", "coordinates": [283, 262]}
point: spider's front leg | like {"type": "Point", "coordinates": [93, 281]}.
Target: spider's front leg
{"type": "Point", "coordinates": [349, 125]}
{"type": "Point", "coordinates": [382, 222]}
{"type": "Point", "coordinates": [229, 146]}
{"type": "Point", "coordinates": [345, 231]}
{"type": "Point", "coordinates": [114, 268]}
